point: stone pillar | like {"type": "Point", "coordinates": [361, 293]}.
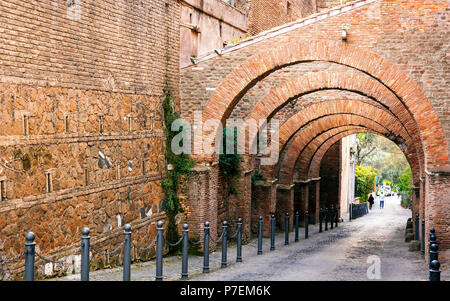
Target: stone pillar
{"type": "Point", "coordinates": [263, 204]}
{"type": "Point", "coordinates": [437, 188]}
{"type": "Point", "coordinates": [316, 184]}
{"type": "Point", "coordinates": [200, 203]}
{"type": "Point", "coordinates": [285, 203]}
{"type": "Point", "coordinates": [244, 204]}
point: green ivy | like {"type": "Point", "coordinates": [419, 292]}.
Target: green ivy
{"type": "Point", "coordinates": [229, 164]}
{"type": "Point", "coordinates": [257, 176]}
{"type": "Point", "coordinates": [182, 165]}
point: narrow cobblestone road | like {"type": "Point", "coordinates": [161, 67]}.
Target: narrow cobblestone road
{"type": "Point", "coordinates": [338, 254]}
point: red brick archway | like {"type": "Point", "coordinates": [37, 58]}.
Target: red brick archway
{"type": "Point", "coordinates": [299, 130]}
{"type": "Point", "coordinates": [257, 67]}
{"type": "Point", "coordinates": [311, 82]}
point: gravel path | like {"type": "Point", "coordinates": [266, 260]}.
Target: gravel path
{"type": "Point", "coordinates": [338, 254]}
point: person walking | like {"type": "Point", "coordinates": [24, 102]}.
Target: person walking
{"type": "Point", "coordinates": [371, 201]}
{"type": "Point", "coordinates": [382, 197]}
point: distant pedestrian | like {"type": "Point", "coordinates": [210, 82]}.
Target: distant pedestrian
{"type": "Point", "coordinates": [382, 197]}
{"type": "Point", "coordinates": [371, 201]}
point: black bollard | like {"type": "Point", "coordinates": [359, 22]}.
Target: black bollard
{"type": "Point", "coordinates": [433, 253]}
{"type": "Point", "coordinates": [296, 225]}
{"type": "Point", "coordinates": [435, 274]}
{"type": "Point", "coordinates": [206, 248]}
{"type": "Point", "coordinates": [331, 217]}
{"type": "Point", "coordinates": [326, 219]}
{"type": "Point", "coordinates": [432, 236]}
{"type": "Point", "coordinates": [29, 256]}
{"type": "Point", "coordinates": [417, 227]}
{"type": "Point", "coordinates": [127, 252]}
{"type": "Point", "coordinates": [320, 220]}
{"type": "Point", "coordinates": [286, 228]}
{"type": "Point", "coordinates": [422, 249]}
{"type": "Point", "coordinates": [272, 232]}
{"type": "Point", "coordinates": [306, 224]}
{"type": "Point", "coordinates": [239, 241]}
{"type": "Point", "coordinates": [184, 256]}
{"type": "Point", "coordinates": [337, 217]}
{"type": "Point", "coordinates": [224, 244]}
{"type": "Point", "coordinates": [85, 245]}
{"type": "Point", "coordinates": [260, 229]}
{"type": "Point", "coordinates": [350, 212]}
{"type": "Point", "coordinates": [159, 251]}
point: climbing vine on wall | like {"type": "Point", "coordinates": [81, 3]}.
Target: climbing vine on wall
{"type": "Point", "coordinates": [181, 166]}
{"type": "Point", "coordinates": [229, 162]}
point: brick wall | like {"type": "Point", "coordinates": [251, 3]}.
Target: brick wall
{"type": "Point", "coordinates": [75, 80]}
{"type": "Point", "coordinates": [265, 14]}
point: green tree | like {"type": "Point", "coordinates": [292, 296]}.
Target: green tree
{"type": "Point", "coordinates": [365, 177]}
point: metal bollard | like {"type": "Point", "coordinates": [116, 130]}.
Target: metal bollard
{"type": "Point", "coordinates": [320, 220]}
{"type": "Point", "coordinates": [272, 232]}
{"type": "Point", "coordinates": [337, 217]}
{"type": "Point", "coordinates": [326, 219]}
{"type": "Point", "coordinates": [432, 236]}
{"type": "Point", "coordinates": [435, 274]}
{"type": "Point", "coordinates": [239, 241]}
{"type": "Point", "coordinates": [159, 251]}
{"type": "Point", "coordinates": [29, 256]}
{"type": "Point", "coordinates": [306, 224]}
{"type": "Point", "coordinates": [350, 212]}
{"type": "Point", "coordinates": [85, 245]}
{"type": "Point", "coordinates": [206, 248]}
{"type": "Point", "coordinates": [433, 253]}
{"type": "Point", "coordinates": [224, 244]}
{"type": "Point", "coordinates": [417, 227]}
{"type": "Point", "coordinates": [286, 232]}
{"type": "Point", "coordinates": [260, 229]}
{"type": "Point", "coordinates": [331, 217]}
{"type": "Point", "coordinates": [184, 256]}
{"type": "Point", "coordinates": [296, 225]}
{"type": "Point", "coordinates": [127, 253]}
{"type": "Point", "coordinates": [422, 249]}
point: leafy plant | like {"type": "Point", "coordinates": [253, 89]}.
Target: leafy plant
{"type": "Point", "coordinates": [181, 165]}
{"type": "Point", "coordinates": [365, 177]}
{"type": "Point", "coordinates": [229, 164]}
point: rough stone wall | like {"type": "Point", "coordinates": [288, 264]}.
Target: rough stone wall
{"type": "Point", "coordinates": [76, 79]}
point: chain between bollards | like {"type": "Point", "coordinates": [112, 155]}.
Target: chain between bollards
{"type": "Point", "coordinates": [272, 232]}
{"type": "Point", "coordinates": [224, 244]}
{"type": "Point", "coordinates": [239, 241]}
{"type": "Point", "coordinates": [29, 256]}
{"type": "Point", "coordinates": [296, 225]}
{"type": "Point", "coordinates": [260, 229]}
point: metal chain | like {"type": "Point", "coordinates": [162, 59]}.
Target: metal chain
{"type": "Point", "coordinates": [234, 235]}
{"type": "Point", "coordinates": [175, 244]}
{"type": "Point", "coordinates": [108, 253]}
{"type": "Point", "coordinates": [198, 242]}
{"type": "Point", "coordinates": [57, 261]}
{"type": "Point", "coordinates": [220, 238]}
{"type": "Point", "coordinates": [12, 259]}
{"type": "Point", "coordinates": [146, 248]}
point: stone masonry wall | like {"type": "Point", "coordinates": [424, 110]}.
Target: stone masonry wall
{"type": "Point", "coordinates": [77, 79]}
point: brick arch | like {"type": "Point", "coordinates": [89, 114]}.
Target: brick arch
{"type": "Point", "coordinates": [270, 104]}
{"type": "Point", "coordinates": [306, 141]}
{"type": "Point", "coordinates": [289, 52]}
{"type": "Point", "coordinates": [337, 113]}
